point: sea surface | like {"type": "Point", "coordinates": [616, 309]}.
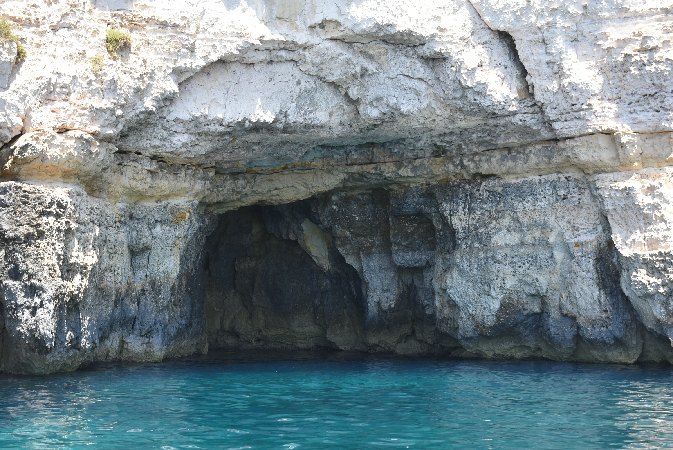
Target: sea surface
{"type": "Point", "coordinates": [341, 403]}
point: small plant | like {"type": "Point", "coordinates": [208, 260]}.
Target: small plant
{"type": "Point", "coordinates": [6, 35]}
{"type": "Point", "coordinates": [116, 40]}
{"type": "Point", "coordinates": [97, 64]}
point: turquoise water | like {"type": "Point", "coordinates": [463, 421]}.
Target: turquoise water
{"type": "Point", "coordinates": [361, 403]}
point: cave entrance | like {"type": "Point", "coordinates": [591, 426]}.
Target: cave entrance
{"type": "Point", "coordinates": [276, 281]}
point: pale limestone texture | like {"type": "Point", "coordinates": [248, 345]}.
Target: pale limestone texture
{"type": "Point", "coordinates": [8, 51]}
{"type": "Point", "coordinates": [476, 178]}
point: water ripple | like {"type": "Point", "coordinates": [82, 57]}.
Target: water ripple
{"type": "Point", "coordinates": [353, 404]}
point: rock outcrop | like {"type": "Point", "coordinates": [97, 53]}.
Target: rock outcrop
{"type": "Point", "coordinates": [477, 178]}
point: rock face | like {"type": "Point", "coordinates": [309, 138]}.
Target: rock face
{"type": "Point", "coordinates": [522, 268]}
{"type": "Point", "coordinates": [471, 178]}
{"type": "Point", "coordinates": [86, 280]}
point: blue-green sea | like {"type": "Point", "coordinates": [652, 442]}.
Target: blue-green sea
{"type": "Point", "coordinates": [341, 403]}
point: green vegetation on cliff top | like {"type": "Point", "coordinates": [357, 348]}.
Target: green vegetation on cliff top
{"type": "Point", "coordinates": [7, 35]}
{"type": "Point", "coordinates": [116, 40]}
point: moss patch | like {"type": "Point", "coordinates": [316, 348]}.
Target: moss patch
{"type": "Point", "coordinates": [6, 35]}
{"type": "Point", "coordinates": [116, 40]}
{"type": "Point", "coordinates": [97, 64]}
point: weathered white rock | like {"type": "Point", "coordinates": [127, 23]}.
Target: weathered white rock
{"type": "Point", "coordinates": [8, 51]}
{"type": "Point", "coordinates": [639, 209]}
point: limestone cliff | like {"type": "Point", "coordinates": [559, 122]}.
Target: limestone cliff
{"type": "Point", "coordinates": [479, 178]}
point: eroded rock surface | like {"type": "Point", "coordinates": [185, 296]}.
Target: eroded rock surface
{"type": "Point", "coordinates": [474, 178]}
{"type": "Point", "coordinates": [86, 280]}
{"type": "Point", "coordinates": [523, 268]}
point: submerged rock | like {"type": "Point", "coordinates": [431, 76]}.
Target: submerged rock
{"type": "Point", "coordinates": [471, 178]}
